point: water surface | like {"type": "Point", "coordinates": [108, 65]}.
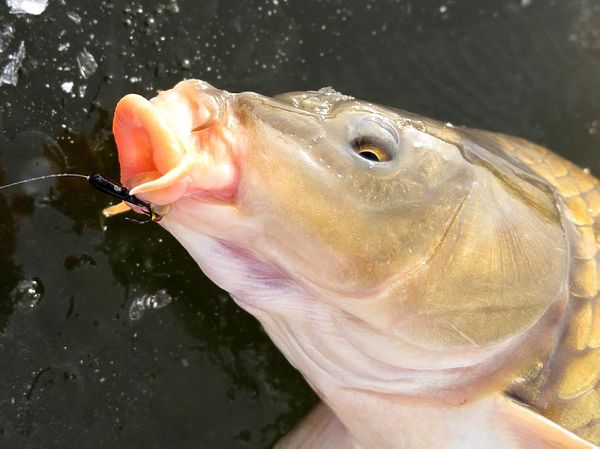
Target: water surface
{"type": "Point", "coordinates": [109, 334]}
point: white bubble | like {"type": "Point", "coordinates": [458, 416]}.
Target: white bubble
{"type": "Point", "coordinates": [6, 36]}
{"type": "Point", "coordinates": [74, 17]}
{"type": "Point", "coordinates": [10, 73]}
{"type": "Point", "coordinates": [86, 63]}
{"type": "Point", "coordinates": [148, 302]}
{"type": "Point", "coordinates": [67, 86]}
{"type": "Point", "coordinates": [35, 7]}
{"type": "Point", "coordinates": [28, 293]}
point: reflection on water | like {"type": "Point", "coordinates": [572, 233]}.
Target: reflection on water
{"type": "Point", "coordinates": [75, 320]}
{"type": "Point", "coordinates": [144, 303]}
{"type": "Point", "coordinates": [27, 293]}
{"type": "Point", "coordinates": [10, 271]}
{"type": "Point", "coordinates": [76, 368]}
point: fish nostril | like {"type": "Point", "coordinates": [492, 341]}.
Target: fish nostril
{"type": "Point", "coordinates": [204, 126]}
{"type": "Point", "coordinates": [205, 112]}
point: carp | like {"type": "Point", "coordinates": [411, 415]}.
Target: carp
{"type": "Point", "coordinates": [436, 285]}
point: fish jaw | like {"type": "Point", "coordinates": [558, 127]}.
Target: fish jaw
{"type": "Point", "coordinates": [178, 144]}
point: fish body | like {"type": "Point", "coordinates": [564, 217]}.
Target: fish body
{"type": "Point", "coordinates": [435, 285]}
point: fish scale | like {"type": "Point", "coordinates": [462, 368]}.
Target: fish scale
{"type": "Point", "coordinates": [566, 386]}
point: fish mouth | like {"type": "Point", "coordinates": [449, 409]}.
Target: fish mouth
{"type": "Point", "coordinates": [178, 144]}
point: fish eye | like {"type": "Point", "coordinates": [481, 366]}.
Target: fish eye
{"type": "Point", "coordinates": [374, 140]}
{"type": "Point", "coordinates": [370, 151]}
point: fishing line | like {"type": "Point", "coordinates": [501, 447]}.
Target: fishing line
{"type": "Point", "coordinates": [40, 178]}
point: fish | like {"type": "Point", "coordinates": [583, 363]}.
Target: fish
{"type": "Point", "coordinates": [436, 285]}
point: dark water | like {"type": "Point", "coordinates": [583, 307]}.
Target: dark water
{"type": "Point", "coordinates": [76, 370]}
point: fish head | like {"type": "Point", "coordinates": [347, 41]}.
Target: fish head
{"type": "Point", "coordinates": [339, 223]}
{"type": "Point", "coordinates": [323, 186]}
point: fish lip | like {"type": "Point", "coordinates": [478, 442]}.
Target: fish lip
{"type": "Point", "coordinates": [160, 154]}
{"type": "Point", "coordinates": [141, 133]}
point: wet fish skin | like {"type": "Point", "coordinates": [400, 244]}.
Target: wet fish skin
{"type": "Point", "coordinates": [443, 298]}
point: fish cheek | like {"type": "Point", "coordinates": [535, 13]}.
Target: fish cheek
{"type": "Point", "coordinates": [345, 227]}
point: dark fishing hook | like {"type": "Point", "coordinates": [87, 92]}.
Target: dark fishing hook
{"type": "Point", "coordinates": [104, 185]}
{"type": "Point", "coordinates": [116, 190]}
